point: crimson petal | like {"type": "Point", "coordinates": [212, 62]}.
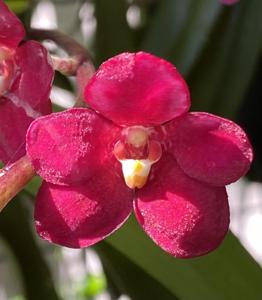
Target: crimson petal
{"type": "Point", "coordinates": [70, 146]}
{"type": "Point", "coordinates": [27, 99]}
{"type": "Point", "coordinates": [209, 148]}
{"type": "Point", "coordinates": [11, 28]}
{"type": "Point", "coordinates": [183, 216]}
{"type": "Point", "coordinates": [32, 85]}
{"type": "Point", "coordinates": [80, 216]}
{"type": "Point", "coordinates": [138, 88]}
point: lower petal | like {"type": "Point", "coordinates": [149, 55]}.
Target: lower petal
{"type": "Point", "coordinates": [80, 216]}
{"type": "Point", "coordinates": [183, 216]}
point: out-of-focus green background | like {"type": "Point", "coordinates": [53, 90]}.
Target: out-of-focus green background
{"type": "Point", "coordinates": [218, 50]}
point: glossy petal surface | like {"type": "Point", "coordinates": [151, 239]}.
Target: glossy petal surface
{"type": "Point", "coordinates": [79, 216]}
{"type": "Point", "coordinates": [183, 216]}
{"type": "Point", "coordinates": [11, 28]}
{"type": "Point", "coordinates": [138, 88]}
{"type": "Point", "coordinates": [210, 148]}
{"type": "Point", "coordinates": [70, 146]}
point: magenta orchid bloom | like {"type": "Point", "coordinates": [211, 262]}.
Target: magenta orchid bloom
{"type": "Point", "coordinates": [136, 147]}
{"type": "Point", "coordinates": [25, 83]}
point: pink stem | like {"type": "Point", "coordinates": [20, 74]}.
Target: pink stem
{"type": "Point", "coordinates": [77, 54]}
{"type": "Point", "coordinates": [13, 178]}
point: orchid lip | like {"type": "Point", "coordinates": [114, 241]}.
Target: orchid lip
{"type": "Point", "coordinates": [137, 153]}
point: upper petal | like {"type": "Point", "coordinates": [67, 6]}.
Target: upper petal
{"type": "Point", "coordinates": [79, 216]}
{"type": "Point", "coordinates": [11, 28]}
{"type": "Point", "coordinates": [210, 148]}
{"type": "Point", "coordinates": [183, 216]}
{"type": "Point", "coordinates": [70, 146]}
{"type": "Point", "coordinates": [138, 88]}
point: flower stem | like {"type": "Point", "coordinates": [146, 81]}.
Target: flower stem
{"type": "Point", "coordinates": [77, 54]}
{"type": "Point", "coordinates": [13, 178]}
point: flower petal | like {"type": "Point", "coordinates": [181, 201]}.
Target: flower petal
{"type": "Point", "coordinates": [183, 216]}
{"type": "Point", "coordinates": [11, 28]}
{"type": "Point", "coordinates": [70, 146]}
{"type": "Point", "coordinates": [32, 85]}
{"type": "Point", "coordinates": [14, 123]}
{"type": "Point", "coordinates": [80, 216]}
{"type": "Point", "coordinates": [27, 99]}
{"type": "Point", "coordinates": [210, 148]}
{"type": "Point", "coordinates": [138, 88]}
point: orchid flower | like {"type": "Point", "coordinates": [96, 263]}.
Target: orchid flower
{"type": "Point", "coordinates": [136, 146]}
{"type": "Point", "coordinates": [26, 76]}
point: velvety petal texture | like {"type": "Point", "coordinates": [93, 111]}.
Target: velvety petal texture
{"type": "Point", "coordinates": [183, 216]}
{"type": "Point", "coordinates": [79, 216]}
{"type": "Point", "coordinates": [11, 28]}
{"type": "Point", "coordinates": [138, 88]}
{"type": "Point", "coordinates": [71, 146]}
{"type": "Point", "coordinates": [13, 126]}
{"type": "Point", "coordinates": [209, 148]}
{"type": "Point", "coordinates": [26, 100]}
{"type": "Point", "coordinates": [33, 81]}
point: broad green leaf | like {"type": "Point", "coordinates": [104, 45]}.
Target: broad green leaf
{"type": "Point", "coordinates": [166, 25]}
{"type": "Point", "coordinates": [129, 278]}
{"type": "Point", "coordinates": [228, 273]}
{"type": "Point", "coordinates": [17, 6]}
{"type": "Point", "coordinates": [221, 77]}
{"type": "Point", "coordinates": [15, 229]}
{"type": "Point", "coordinates": [201, 18]}
{"type": "Point", "coordinates": [113, 34]}
{"type": "Point", "coordinates": [180, 30]}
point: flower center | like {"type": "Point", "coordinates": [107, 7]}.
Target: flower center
{"type": "Point", "coordinates": [6, 69]}
{"type": "Point", "coordinates": [137, 153]}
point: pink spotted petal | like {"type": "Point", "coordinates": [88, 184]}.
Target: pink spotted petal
{"type": "Point", "coordinates": [183, 216]}
{"type": "Point", "coordinates": [81, 216]}
{"type": "Point", "coordinates": [138, 88]}
{"type": "Point", "coordinates": [11, 28]}
{"type": "Point", "coordinates": [32, 85]}
{"type": "Point", "coordinates": [210, 148]}
{"type": "Point", "coordinates": [70, 146]}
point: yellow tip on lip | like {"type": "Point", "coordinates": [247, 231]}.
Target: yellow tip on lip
{"type": "Point", "coordinates": [135, 172]}
{"type": "Point", "coordinates": [138, 166]}
{"type": "Point", "coordinates": [135, 181]}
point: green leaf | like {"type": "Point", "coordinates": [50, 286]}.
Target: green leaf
{"type": "Point", "coordinates": [227, 273]}
{"type": "Point", "coordinates": [222, 76]}
{"type": "Point", "coordinates": [17, 6]}
{"type": "Point", "coordinates": [180, 30]}
{"type": "Point", "coordinates": [93, 286]}
{"type": "Point", "coordinates": [113, 33]}
{"type": "Point", "coordinates": [201, 18]}
{"type": "Point", "coordinates": [130, 278]}
{"type": "Point", "coordinates": [15, 228]}
{"type": "Point", "coordinates": [166, 24]}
